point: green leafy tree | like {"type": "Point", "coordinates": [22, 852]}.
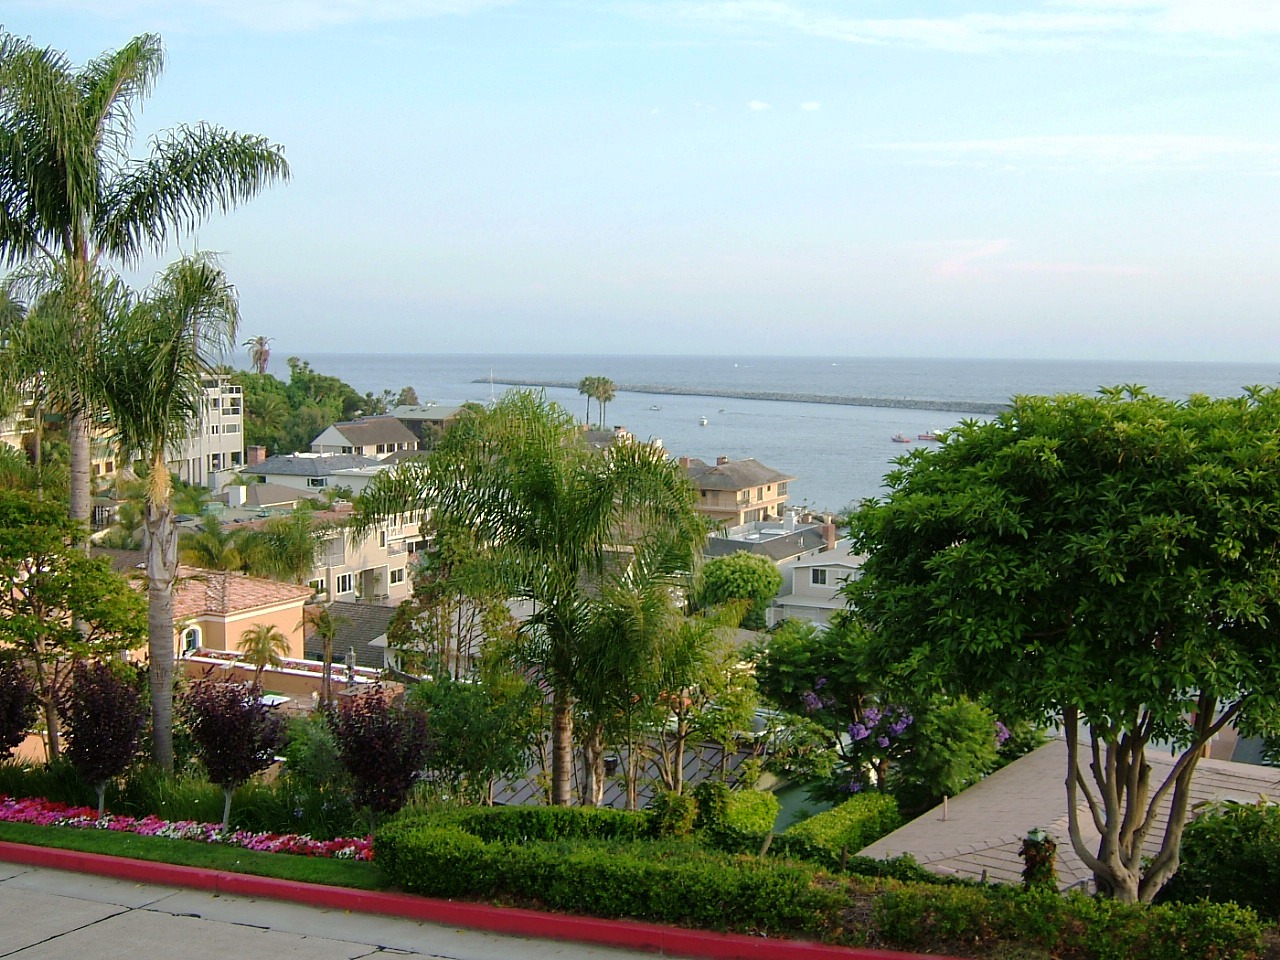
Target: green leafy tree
{"type": "Point", "coordinates": [147, 372]}
{"type": "Point", "coordinates": [741, 576]}
{"type": "Point", "coordinates": [407, 397]}
{"type": "Point", "coordinates": [104, 715]}
{"type": "Point", "coordinates": [483, 728]}
{"type": "Point", "coordinates": [1109, 562]}
{"type": "Point", "coordinates": [324, 624]}
{"type": "Point", "coordinates": [212, 547]}
{"type": "Point", "coordinates": [59, 605]}
{"type": "Point", "coordinates": [263, 645]}
{"type": "Point", "coordinates": [547, 515]}
{"type": "Point", "coordinates": [288, 547]}
{"type": "Point", "coordinates": [72, 198]}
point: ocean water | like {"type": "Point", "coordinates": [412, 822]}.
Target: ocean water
{"type": "Point", "coordinates": [839, 454]}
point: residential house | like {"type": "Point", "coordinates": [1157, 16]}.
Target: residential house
{"type": "Point", "coordinates": [212, 608]}
{"type": "Point", "coordinates": [782, 541]}
{"type": "Point", "coordinates": [369, 436]}
{"type": "Point", "coordinates": [312, 473]}
{"type": "Point", "coordinates": [811, 585]}
{"type": "Point", "coordinates": [734, 492]}
{"type": "Point", "coordinates": [360, 635]}
{"type": "Point", "coordinates": [426, 420]}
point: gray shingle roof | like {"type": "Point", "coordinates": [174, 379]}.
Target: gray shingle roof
{"type": "Point", "coordinates": [370, 431]}
{"type": "Point", "coordinates": [296, 465]}
{"type": "Point", "coordinates": [734, 475]}
{"type": "Point", "coordinates": [358, 625]}
{"type": "Point", "coordinates": [776, 549]}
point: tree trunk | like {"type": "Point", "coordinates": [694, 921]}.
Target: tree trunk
{"type": "Point", "coordinates": [162, 570]}
{"type": "Point", "coordinates": [561, 749]}
{"type": "Point", "coordinates": [102, 797]}
{"type": "Point", "coordinates": [593, 757]}
{"type": "Point", "coordinates": [227, 793]}
{"type": "Point", "coordinates": [326, 681]}
{"type": "Point", "coordinates": [81, 455]}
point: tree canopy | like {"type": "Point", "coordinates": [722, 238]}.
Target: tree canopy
{"type": "Point", "coordinates": [1111, 563]}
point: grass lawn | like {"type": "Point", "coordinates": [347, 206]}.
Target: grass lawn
{"type": "Point", "coordinates": [361, 875]}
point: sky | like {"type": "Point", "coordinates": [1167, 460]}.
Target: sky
{"type": "Point", "coordinates": [1087, 179]}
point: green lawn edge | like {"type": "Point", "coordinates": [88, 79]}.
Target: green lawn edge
{"type": "Point", "coordinates": [355, 874]}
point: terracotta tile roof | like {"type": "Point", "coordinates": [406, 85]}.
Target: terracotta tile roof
{"type": "Point", "coordinates": [218, 593]}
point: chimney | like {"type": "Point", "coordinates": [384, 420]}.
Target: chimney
{"type": "Point", "coordinates": [684, 462]}
{"type": "Point", "coordinates": [721, 461]}
{"type": "Point", "coordinates": [829, 534]}
{"type": "Point", "coordinates": [254, 455]}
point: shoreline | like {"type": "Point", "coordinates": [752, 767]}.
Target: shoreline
{"type": "Point", "coordinates": [946, 406]}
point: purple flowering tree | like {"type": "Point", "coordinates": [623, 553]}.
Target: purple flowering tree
{"type": "Point", "coordinates": [103, 714]}
{"type": "Point", "coordinates": [235, 733]}
{"type": "Point", "coordinates": [383, 745]}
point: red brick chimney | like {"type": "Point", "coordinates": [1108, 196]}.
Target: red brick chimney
{"type": "Point", "coordinates": [829, 534]}
{"type": "Point", "coordinates": [254, 455]}
{"type": "Point", "coordinates": [684, 462]}
{"type": "Point", "coordinates": [721, 461]}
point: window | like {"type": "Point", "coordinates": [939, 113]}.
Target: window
{"type": "Point", "coordinates": [818, 577]}
{"type": "Point", "coordinates": [190, 641]}
{"type": "Point", "coordinates": [382, 538]}
{"type": "Point", "coordinates": [397, 576]}
{"type": "Point", "coordinates": [317, 481]}
{"type": "Point", "coordinates": [317, 585]}
{"type": "Point", "coordinates": [345, 582]}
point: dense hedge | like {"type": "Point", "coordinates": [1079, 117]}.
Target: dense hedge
{"type": "Point", "coordinates": [1072, 926]}
{"type": "Point", "coordinates": [1231, 852]}
{"type": "Point", "coordinates": [673, 884]}
{"type": "Point", "coordinates": [852, 825]}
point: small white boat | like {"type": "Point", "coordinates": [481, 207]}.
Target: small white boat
{"type": "Point", "coordinates": [702, 421]}
{"type": "Point", "coordinates": [900, 438]}
{"type": "Point", "coordinates": [655, 407]}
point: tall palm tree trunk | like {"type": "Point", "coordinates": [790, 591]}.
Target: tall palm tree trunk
{"type": "Point", "coordinates": [81, 457]}
{"type": "Point", "coordinates": [162, 570]}
{"type": "Point", "coordinates": [593, 766]}
{"type": "Point", "coordinates": [561, 749]}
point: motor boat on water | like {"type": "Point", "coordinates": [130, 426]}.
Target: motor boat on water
{"type": "Point", "coordinates": [900, 438]}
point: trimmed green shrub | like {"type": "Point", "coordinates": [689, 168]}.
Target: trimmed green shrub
{"type": "Point", "coordinates": [853, 824]}
{"type": "Point", "coordinates": [752, 810]}
{"type": "Point", "coordinates": [672, 814]}
{"type": "Point", "coordinates": [1231, 853]}
{"type": "Point", "coordinates": [1072, 926]}
{"type": "Point", "coordinates": [522, 824]}
{"type": "Point", "coordinates": [676, 884]}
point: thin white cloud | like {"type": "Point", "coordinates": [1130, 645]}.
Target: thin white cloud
{"type": "Point", "coordinates": [1170, 25]}
{"type": "Point", "coordinates": [810, 105]}
{"type": "Point", "coordinates": [1151, 152]}
{"type": "Point", "coordinates": [757, 105]}
{"type": "Point", "coordinates": [961, 263]}
{"type": "Point", "coordinates": [977, 258]}
{"type": "Point", "coordinates": [276, 15]}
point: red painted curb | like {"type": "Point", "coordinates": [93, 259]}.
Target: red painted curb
{"type": "Point", "coordinates": [625, 934]}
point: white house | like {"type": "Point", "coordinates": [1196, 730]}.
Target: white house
{"type": "Point", "coordinates": [314, 472]}
{"type": "Point", "coordinates": [214, 451]}
{"type": "Point", "coordinates": [370, 436]}
{"type": "Point", "coordinates": [811, 586]}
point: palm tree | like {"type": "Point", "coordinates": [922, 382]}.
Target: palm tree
{"type": "Point", "coordinates": [286, 548]}
{"type": "Point", "coordinates": [324, 625]}
{"type": "Point", "coordinates": [263, 645]}
{"type": "Point", "coordinates": [605, 392]}
{"type": "Point", "coordinates": [587, 387]}
{"type": "Point", "coordinates": [72, 199]}
{"type": "Point", "coordinates": [211, 547]}
{"type": "Point", "coordinates": [147, 370]}
{"type": "Point", "coordinates": [548, 515]}
{"type": "Point", "coordinates": [259, 352]}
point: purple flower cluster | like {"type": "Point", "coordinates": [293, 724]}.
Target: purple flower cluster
{"type": "Point", "coordinates": [45, 813]}
{"type": "Point", "coordinates": [1002, 733]}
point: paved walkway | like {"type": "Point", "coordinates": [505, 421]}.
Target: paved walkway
{"type": "Point", "coordinates": [56, 915]}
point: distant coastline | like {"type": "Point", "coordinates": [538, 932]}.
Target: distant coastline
{"type": "Point", "coordinates": [950, 406]}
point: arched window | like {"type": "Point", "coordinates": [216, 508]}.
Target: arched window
{"type": "Point", "coordinates": [190, 641]}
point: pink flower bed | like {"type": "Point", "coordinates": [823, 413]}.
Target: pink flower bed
{"type": "Point", "coordinates": [44, 813]}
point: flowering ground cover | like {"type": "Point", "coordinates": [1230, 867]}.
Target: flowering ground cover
{"type": "Point", "coordinates": [45, 813]}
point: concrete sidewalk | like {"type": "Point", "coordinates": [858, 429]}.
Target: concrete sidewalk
{"type": "Point", "coordinates": [57, 915]}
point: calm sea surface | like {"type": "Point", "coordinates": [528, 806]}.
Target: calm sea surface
{"type": "Point", "coordinates": [839, 454]}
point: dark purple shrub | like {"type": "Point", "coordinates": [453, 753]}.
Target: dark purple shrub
{"type": "Point", "coordinates": [234, 732]}
{"type": "Point", "coordinates": [17, 704]}
{"type": "Point", "coordinates": [383, 746]}
{"type": "Point", "coordinates": [103, 714]}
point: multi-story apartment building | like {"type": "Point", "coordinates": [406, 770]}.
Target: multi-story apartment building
{"type": "Point", "coordinates": [216, 447]}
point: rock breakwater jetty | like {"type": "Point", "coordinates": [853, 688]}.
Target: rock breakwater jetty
{"type": "Point", "coordinates": [894, 403]}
